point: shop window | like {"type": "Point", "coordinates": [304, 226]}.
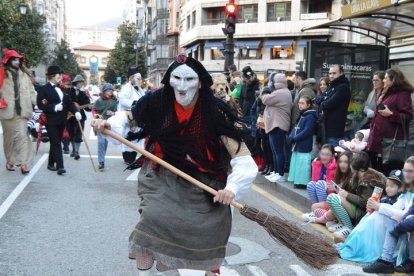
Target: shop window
{"type": "Point", "coordinates": [280, 11]}
{"type": "Point", "coordinates": [249, 54]}
{"type": "Point", "coordinates": [281, 53]}
{"type": "Point", "coordinates": [217, 54]}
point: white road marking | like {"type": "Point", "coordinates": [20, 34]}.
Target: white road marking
{"type": "Point", "coordinates": [346, 269]}
{"type": "Point", "coordinates": [223, 271]}
{"type": "Point", "coordinates": [299, 271]}
{"type": "Point", "coordinates": [4, 207]}
{"type": "Point", "coordinates": [96, 156]}
{"type": "Point", "coordinates": [256, 271]}
{"type": "Point", "coordinates": [228, 272]}
{"type": "Point", "coordinates": [134, 175]}
{"type": "Point", "coordinates": [1, 130]}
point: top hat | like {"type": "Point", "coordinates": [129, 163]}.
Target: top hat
{"type": "Point", "coordinates": [53, 70]}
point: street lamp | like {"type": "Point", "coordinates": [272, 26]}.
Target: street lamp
{"type": "Point", "coordinates": [123, 44]}
{"type": "Point", "coordinates": [23, 8]}
{"type": "Point", "coordinates": [65, 56]}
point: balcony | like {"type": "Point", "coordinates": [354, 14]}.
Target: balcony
{"type": "Point", "coordinates": [215, 21]}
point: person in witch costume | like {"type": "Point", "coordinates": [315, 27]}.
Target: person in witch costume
{"type": "Point", "coordinates": [83, 103]}
{"type": "Point", "coordinates": [181, 226]}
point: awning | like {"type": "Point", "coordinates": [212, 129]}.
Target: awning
{"type": "Point", "coordinates": [381, 20]}
{"type": "Point", "coordinates": [302, 42]}
{"type": "Point", "coordinates": [251, 44]}
{"type": "Point", "coordinates": [214, 45]}
{"type": "Point", "coordinates": [192, 48]}
{"type": "Point", "coordinates": [271, 43]}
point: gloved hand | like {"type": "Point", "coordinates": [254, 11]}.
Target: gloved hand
{"type": "Point", "coordinates": [78, 116]}
{"type": "Point", "coordinates": [58, 107]}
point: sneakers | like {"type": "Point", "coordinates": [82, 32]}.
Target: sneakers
{"type": "Point", "coordinates": [407, 267]}
{"type": "Point", "coordinates": [341, 235]}
{"type": "Point", "coordinates": [309, 217]}
{"type": "Point", "coordinates": [336, 227]}
{"type": "Point", "coordinates": [380, 266]}
{"type": "Point", "coordinates": [269, 175]}
{"type": "Point", "coordinates": [101, 165]}
{"type": "Point", "coordinates": [274, 178]}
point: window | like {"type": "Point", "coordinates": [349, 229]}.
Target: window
{"type": "Point", "coordinates": [162, 4]}
{"type": "Point", "coordinates": [317, 6]}
{"type": "Point", "coordinates": [280, 11]}
{"type": "Point", "coordinates": [213, 16]}
{"type": "Point", "coordinates": [162, 51]}
{"type": "Point", "coordinates": [247, 13]}
{"type": "Point", "coordinates": [249, 54]}
{"type": "Point", "coordinates": [188, 23]}
{"type": "Point", "coordinates": [162, 26]}
{"type": "Point", "coordinates": [177, 19]}
{"type": "Point", "coordinates": [104, 60]}
{"type": "Point", "coordinates": [281, 53]}
{"type": "Point", "coordinates": [217, 54]}
{"type": "Point", "coordinates": [193, 19]}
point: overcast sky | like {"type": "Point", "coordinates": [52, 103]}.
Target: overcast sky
{"type": "Point", "coordinates": [89, 12]}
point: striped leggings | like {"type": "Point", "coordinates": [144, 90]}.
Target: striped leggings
{"type": "Point", "coordinates": [317, 191]}
{"type": "Point", "coordinates": [334, 202]}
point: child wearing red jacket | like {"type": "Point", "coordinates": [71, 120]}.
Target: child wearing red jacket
{"type": "Point", "coordinates": [323, 172]}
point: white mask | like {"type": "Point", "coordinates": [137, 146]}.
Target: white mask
{"type": "Point", "coordinates": [58, 78]}
{"type": "Point", "coordinates": [137, 79]}
{"type": "Point", "coordinates": [186, 83]}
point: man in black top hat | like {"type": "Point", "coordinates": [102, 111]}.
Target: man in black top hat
{"type": "Point", "coordinates": [55, 104]}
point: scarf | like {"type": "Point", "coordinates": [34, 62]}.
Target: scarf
{"type": "Point", "coordinates": [17, 105]}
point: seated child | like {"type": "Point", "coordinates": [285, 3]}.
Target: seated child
{"type": "Point", "coordinates": [357, 144]}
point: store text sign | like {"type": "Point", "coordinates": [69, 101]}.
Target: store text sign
{"type": "Point", "coordinates": [363, 6]}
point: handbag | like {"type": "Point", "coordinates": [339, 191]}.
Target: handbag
{"type": "Point", "coordinates": [395, 152]}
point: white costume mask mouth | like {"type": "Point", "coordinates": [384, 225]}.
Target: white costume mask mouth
{"type": "Point", "coordinates": [186, 83]}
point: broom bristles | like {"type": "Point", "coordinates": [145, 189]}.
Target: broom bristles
{"type": "Point", "coordinates": [311, 249]}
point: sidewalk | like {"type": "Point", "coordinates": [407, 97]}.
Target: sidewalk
{"type": "Point", "coordinates": [285, 191]}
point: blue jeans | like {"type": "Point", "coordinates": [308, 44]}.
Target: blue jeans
{"type": "Point", "coordinates": [102, 146]}
{"type": "Point", "coordinates": [333, 141]}
{"type": "Point", "coordinates": [277, 139]}
{"type": "Point", "coordinates": [390, 243]}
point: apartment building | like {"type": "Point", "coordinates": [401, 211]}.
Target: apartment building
{"type": "Point", "coordinates": [268, 32]}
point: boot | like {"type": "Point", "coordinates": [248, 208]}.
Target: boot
{"type": "Point", "coordinates": [125, 157]}
{"type": "Point", "coordinates": [77, 147]}
{"type": "Point", "coordinates": [72, 154]}
{"type": "Point", "coordinates": [133, 156]}
{"type": "Point", "coordinates": [265, 171]}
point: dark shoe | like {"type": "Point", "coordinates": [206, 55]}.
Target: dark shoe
{"type": "Point", "coordinates": [101, 165]}
{"type": "Point", "coordinates": [125, 157]}
{"type": "Point", "coordinates": [10, 167]}
{"type": "Point", "coordinates": [61, 171]}
{"type": "Point", "coordinates": [51, 168]}
{"type": "Point", "coordinates": [77, 156]}
{"type": "Point", "coordinates": [72, 154]}
{"type": "Point", "coordinates": [24, 169]}
{"type": "Point", "coordinates": [380, 266]}
{"type": "Point", "coordinates": [265, 171]}
{"type": "Point", "coordinates": [407, 267]}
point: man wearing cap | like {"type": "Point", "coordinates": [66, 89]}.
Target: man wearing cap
{"type": "Point", "coordinates": [248, 94]}
{"type": "Point", "coordinates": [82, 102]}
{"type": "Point", "coordinates": [20, 95]}
{"type": "Point", "coordinates": [55, 104]}
{"type": "Point", "coordinates": [180, 225]}
{"type": "Point", "coordinates": [130, 93]}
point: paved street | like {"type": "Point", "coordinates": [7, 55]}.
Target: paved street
{"type": "Point", "coordinates": [78, 224]}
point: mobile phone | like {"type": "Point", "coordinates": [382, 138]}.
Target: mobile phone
{"type": "Point", "coordinates": [335, 186]}
{"type": "Point", "coordinates": [380, 107]}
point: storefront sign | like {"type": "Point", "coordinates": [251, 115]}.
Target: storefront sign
{"type": "Point", "coordinates": [359, 62]}
{"type": "Point", "coordinates": [364, 6]}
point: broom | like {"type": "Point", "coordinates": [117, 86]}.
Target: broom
{"type": "Point", "coordinates": [311, 249]}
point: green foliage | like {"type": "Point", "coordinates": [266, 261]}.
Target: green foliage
{"type": "Point", "coordinates": [121, 58]}
{"type": "Point", "coordinates": [22, 33]}
{"type": "Point", "coordinates": [69, 65]}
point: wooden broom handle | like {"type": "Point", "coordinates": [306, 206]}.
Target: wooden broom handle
{"type": "Point", "coordinates": [166, 165]}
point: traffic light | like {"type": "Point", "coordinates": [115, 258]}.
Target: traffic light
{"type": "Point", "coordinates": [230, 25]}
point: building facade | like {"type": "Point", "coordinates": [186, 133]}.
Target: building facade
{"type": "Point", "coordinates": [93, 60]}
{"type": "Point", "coordinates": [268, 32]}
{"type": "Point", "coordinates": [77, 37]}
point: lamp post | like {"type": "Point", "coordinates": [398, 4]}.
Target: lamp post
{"type": "Point", "coordinates": [23, 8]}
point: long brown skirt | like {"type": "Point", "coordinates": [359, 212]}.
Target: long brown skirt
{"type": "Point", "coordinates": [179, 225]}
